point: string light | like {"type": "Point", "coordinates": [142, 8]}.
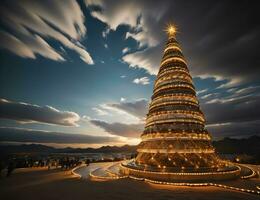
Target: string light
{"type": "Point", "coordinates": [175, 150]}
{"type": "Point", "coordinates": [173, 59]}
{"type": "Point", "coordinates": [115, 176]}
{"type": "Point", "coordinates": [172, 48]}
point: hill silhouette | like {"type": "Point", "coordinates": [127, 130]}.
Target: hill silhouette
{"type": "Point", "coordinates": [249, 146]}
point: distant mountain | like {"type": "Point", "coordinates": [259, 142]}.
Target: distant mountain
{"type": "Point", "coordinates": [42, 149]}
{"type": "Point", "coordinates": [249, 146]}
{"type": "Point", "coordinates": [26, 148]}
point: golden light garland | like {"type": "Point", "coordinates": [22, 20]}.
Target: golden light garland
{"type": "Point", "coordinates": [175, 54]}
{"type": "Point", "coordinates": [174, 95]}
{"type": "Point", "coordinates": [163, 118]}
{"type": "Point", "coordinates": [187, 86]}
{"type": "Point", "coordinates": [253, 173]}
{"type": "Point", "coordinates": [173, 98]}
{"type": "Point", "coordinates": [174, 120]}
{"type": "Point", "coordinates": [172, 103]}
{"type": "Point", "coordinates": [170, 74]}
{"type": "Point", "coordinates": [172, 68]}
{"type": "Point", "coordinates": [172, 48]}
{"type": "Point", "coordinates": [173, 59]}
{"type": "Point", "coordinates": [176, 65]}
{"type": "Point", "coordinates": [177, 137]}
{"type": "Point", "coordinates": [172, 79]}
{"type": "Point", "coordinates": [182, 173]}
{"type": "Point", "coordinates": [186, 113]}
{"type": "Point", "coordinates": [176, 150]}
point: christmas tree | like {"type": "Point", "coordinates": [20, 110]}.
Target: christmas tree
{"type": "Point", "coordinates": [175, 139]}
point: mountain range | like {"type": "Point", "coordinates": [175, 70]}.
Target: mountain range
{"type": "Point", "coordinates": [249, 146]}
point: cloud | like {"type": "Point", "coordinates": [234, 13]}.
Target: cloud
{"type": "Point", "coordinates": [201, 91]}
{"type": "Point", "coordinates": [120, 129]}
{"type": "Point", "coordinates": [206, 96]}
{"type": "Point", "coordinates": [235, 129]}
{"type": "Point", "coordinates": [37, 45]}
{"type": "Point", "coordinates": [230, 110]}
{"type": "Point", "coordinates": [125, 50]}
{"type": "Point", "coordinates": [137, 108]}
{"type": "Point", "coordinates": [31, 23]}
{"type": "Point", "coordinates": [29, 113]}
{"type": "Point", "coordinates": [137, 14]}
{"type": "Point", "coordinates": [8, 134]}
{"type": "Point", "coordinates": [15, 45]}
{"type": "Point", "coordinates": [143, 81]}
{"type": "Point", "coordinates": [148, 59]}
{"type": "Point", "coordinates": [100, 112]}
{"type": "Point", "coordinates": [245, 91]}
{"type": "Point", "coordinates": [233, 113]}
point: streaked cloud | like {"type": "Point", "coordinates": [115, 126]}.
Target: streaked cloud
{"type": "Point", "coordinates": [137, 108]}
{"type": "Point", "coordinates": [120, 129]}
{"type": "Point", "coordinates": [143, 80]}
{"type": "Point", "coordinates": [18, 47]}
{"type": "Point", "coordinates": [33, 23]}
{"type": "Point", "coordinates": [125, 50]}
{"type": "Point", "coordinates": [100, 112]}
{"type": "Point", "coordinates": [148, 59]}
{"type": "Point", "coordinates": [234, 129]}
{"type": "Point", "coordinates": [201, 91]}
{"type": "Point", "coordinates": [137, 14]}
{"type": "Point", "coordinates": [242, 109]}
{"type": "Point", "coordinates": [210, 95]}
{"type": "Point", "coordinates": [10, 134]}
{"type": "Point", "coordinates": [30, 113]}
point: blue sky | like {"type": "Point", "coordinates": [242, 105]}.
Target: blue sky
{"type": "Point", "coordinates": [87, 67]}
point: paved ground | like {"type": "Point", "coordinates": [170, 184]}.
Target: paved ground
{"type": "Point", "coordinates": [29, 184]}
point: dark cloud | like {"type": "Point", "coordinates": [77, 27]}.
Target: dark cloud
{"type": "Point", "coordinates": [138, 108]}
{"type": "Point", "coordinates": [242, 109]}
{"type": "Point", "coordinates": [38, 136]}
{"type": "Point", "coordinates": [125, 130]}
{"type": "Point", "coordinates": [224, 41]}
{"type": "Point", "coordinates": [234, 129]}
{"type": "Point", "coordinates": [236, 116]}
{"type": "Point", "coordinates": [29, 113]}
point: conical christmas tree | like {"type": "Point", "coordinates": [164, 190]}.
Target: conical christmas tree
{"type": "Point", "coordinates": [175, 134]}
{"type": "Point", "coordinates": [175, 139]}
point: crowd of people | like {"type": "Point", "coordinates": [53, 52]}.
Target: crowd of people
{"type": "Point", "coordinates": [7, 166]}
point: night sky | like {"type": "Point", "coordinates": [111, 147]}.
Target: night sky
{"type": "Point", "coordinates": [81, 73]}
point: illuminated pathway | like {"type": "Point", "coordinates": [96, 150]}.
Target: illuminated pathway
{"type": "Point", "coordinates": [84, 171]}
{"type": "Point", "coordinates": [110, 171]}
